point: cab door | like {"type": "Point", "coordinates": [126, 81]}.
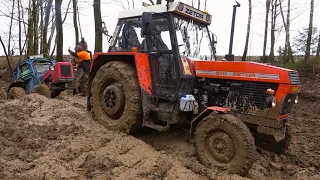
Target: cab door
{"type": "Point", "coordinates": [162, 59]}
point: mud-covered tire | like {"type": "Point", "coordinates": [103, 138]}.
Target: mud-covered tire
{"type": "Point", "coordinates": [55, 93]}
{"type": "Point", "coordinates": [270, 144]}
{"type": "Point", "coordinates": [121, 78]}
{"type": "Point", "coordinates": [16, 93]}
{"type": "Point", "coordinates": [43, 90]}
{"type": "Point", "coordinates": [223, 141]}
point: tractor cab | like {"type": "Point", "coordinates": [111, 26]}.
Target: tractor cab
{"type": "Point", "coordinates": [171, 36]}
{"type": "Point", "coordinates": [180, 31]}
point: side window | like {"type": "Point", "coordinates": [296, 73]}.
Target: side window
{"type": "Point", "coordinates": [129, 36]}
{"type": "Point", "coordinates": [24, 69]}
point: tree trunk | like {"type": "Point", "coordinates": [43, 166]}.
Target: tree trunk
{"type": "Point", "coordinates": [264, 58]}
{"type": "Point", "coordinates": [318, 48]}
{"type": "Point", "coordinates": [198, 4]}
{"type": "Point", "coordinates": [35, 25]}
{"type": "Point", "coordinates": [307, 55]}
{"type": "Point", "coordinates": [45, 29]}
{"type": "Point", "coordinates": [19, 23]}
{"type": "Point", "coordinates": [30, 31]}
{"type": "Point", "coordinates": [290, 55]}
{"type": "Point", "coordinates": [75, 23]}
{"type": "Point", "coordinates": [10, 30]}
{"type": "Point", "coordinates": [98, 25]}
{"type": "Point", "coordinates": [205, 4]}
{"type": "Point", "coordinates": [59, 29]}
{"type": "Point", "coordinates": [5, 52]}
{"type": "Point", "coordinates": [287, 55]}
{"type": "Point", "coordinates": [273, 27]}
{"type": "Point", "coordinates": [41, 26]}
{"type": "Point", "coordinates": [25, 31]}
{"type": "Point", "coordinates": [248, 32]}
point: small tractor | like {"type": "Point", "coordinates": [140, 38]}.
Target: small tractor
{"type": "Point", "coordinates": [40, 75]}
{"type": "Point", "coordinates": [160, 70]}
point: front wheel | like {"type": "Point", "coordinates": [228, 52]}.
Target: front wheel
{"type": "Point", "coordinates": [43, 90]}
{"type": "Point", "coordinates": [116, 98]}
{"type": "Point", "coordinates": [16, 93]}
{"type": "Point", "coordinates": [223, 141]}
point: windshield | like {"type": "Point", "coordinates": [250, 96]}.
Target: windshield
{"type": "Point", "coordinates": [193, 39]}
{"type": "Point", "coordinates": [41, 67]}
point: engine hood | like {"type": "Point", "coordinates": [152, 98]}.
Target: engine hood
{"type": "Point", "coordinates": [246, 71]}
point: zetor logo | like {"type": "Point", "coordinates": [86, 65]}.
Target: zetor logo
{"type": "Point", "coordinates": [194, 13]}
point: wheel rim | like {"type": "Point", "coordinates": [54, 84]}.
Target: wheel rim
{"type": "Point", "coordinates": [113, 98]}
{"type": "Point", "coordinates": [220, 146]}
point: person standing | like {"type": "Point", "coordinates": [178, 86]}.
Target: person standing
{"type": "Point", "coordinates": [84, 62]}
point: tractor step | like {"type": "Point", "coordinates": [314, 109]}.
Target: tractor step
{"type": "Point", "coordinates": [151, 125]}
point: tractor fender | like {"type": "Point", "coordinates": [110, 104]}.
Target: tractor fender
{"type": "Point", "coordinates": [205, 113]}
{"type": "Point", "coordinates": [17, 84]}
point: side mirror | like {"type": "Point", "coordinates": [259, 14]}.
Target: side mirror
{"type": "Point", "coordinates": [146, 23]}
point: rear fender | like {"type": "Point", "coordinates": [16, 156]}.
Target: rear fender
{"type": "Point", "coordinates": [138, 60]}
{"type": "Point", "coordinates": [205, 113]}
{"type": "Point", "coordinates": [17, 84]}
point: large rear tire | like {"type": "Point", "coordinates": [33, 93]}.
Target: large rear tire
{"type": "Point", "coordinates": [223, 141]}
{"type": "Point", "coordinates": [116, 98]}
{"type": "Point", "coordinates": [43, 90]}
{"type": "Point", "coordinates": [16, 93]}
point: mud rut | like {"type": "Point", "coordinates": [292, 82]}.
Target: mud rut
{"type": "Point", "coordinates": [43, 138]}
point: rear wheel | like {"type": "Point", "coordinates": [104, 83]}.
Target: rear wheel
{"type": "Point", "coordinates": [223, 141]}
{"type": "Point", "coordinates": [116, 99]}
{"type": "Point", "coordinates": [16, 93]}
{"type": "Point", "coordinates": [43, 90]}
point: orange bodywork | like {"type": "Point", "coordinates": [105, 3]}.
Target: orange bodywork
{"type": "Point", "coordinates": [246, 71]}
{"type": "Point", "coordinates": [142, 66]}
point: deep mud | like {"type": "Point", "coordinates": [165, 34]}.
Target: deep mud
{"type": "Point", "coordinates": [43, 138]}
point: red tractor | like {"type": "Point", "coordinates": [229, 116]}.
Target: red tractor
{"type": "Point", "coordinates": [161, 70]}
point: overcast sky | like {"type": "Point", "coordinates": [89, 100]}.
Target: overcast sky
{"type": "Point", "coordinates": [221, 12]}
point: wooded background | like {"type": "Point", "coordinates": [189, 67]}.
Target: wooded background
{"type": "Point", "coordinates": [37, 26]}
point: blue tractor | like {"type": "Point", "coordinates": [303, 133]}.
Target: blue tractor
{"type": "Point", "coordinates": [40, 75]}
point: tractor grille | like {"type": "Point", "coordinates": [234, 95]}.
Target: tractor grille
{"type": "Point", "coordinates": [288, 103]}
{"type": "Point", "coordinates": [247, 95]}
{"type": "Point", "coordinates": [65, 70]}
{"type": "Point", "coordinates": [294, 77]}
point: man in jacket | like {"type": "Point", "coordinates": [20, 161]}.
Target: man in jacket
{"type": "Point", "coordinates": [84, 62]}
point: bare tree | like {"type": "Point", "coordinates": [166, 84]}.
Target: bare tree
{"type": "Point", "coordinates": [248, 32]}
{"type": "Point", "coordinates": [45, 29]}
{"type": "Point", "coordinates": [30, 36]}
{"type": "Point", "coordinates": [318, 48]}
{"type": "Point", "coordinates": [307, 54]}
{"type": "Point", "coordinates": [274, 15]}
{"type": "Point", "coordinates": [5, 52]}
{"type": "Point", "coordinates": [19, 23]}
{"type": "Point", "coordinates": [264, 58]}
{"type": "Point", "coordinates": [41, 25]}
{"type": "Point", "coordinates": [198, 4]}
{"type": "Point", "coordinates": [35, 25]}
{"type": "Point", "coordinates": [98, 25]}
{"type": "Point", "coordinates": [75, 23]}
{"type": "Point", "coordinates": [10, 29]}
{"type": "Point", "coordinates": [287, 48]}
{"type": "Point", "coordinates": [59, 29]}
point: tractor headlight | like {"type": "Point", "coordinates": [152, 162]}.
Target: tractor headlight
{"type": "Point", "coordinates": [271, 101]}
{"type": "Point", "coordinates": [51, 68]}
{"type": "Point", "coordinates": [296, 100]}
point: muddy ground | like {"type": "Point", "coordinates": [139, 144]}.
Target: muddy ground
{"type": "Point", "coordinates": [43, 138]}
